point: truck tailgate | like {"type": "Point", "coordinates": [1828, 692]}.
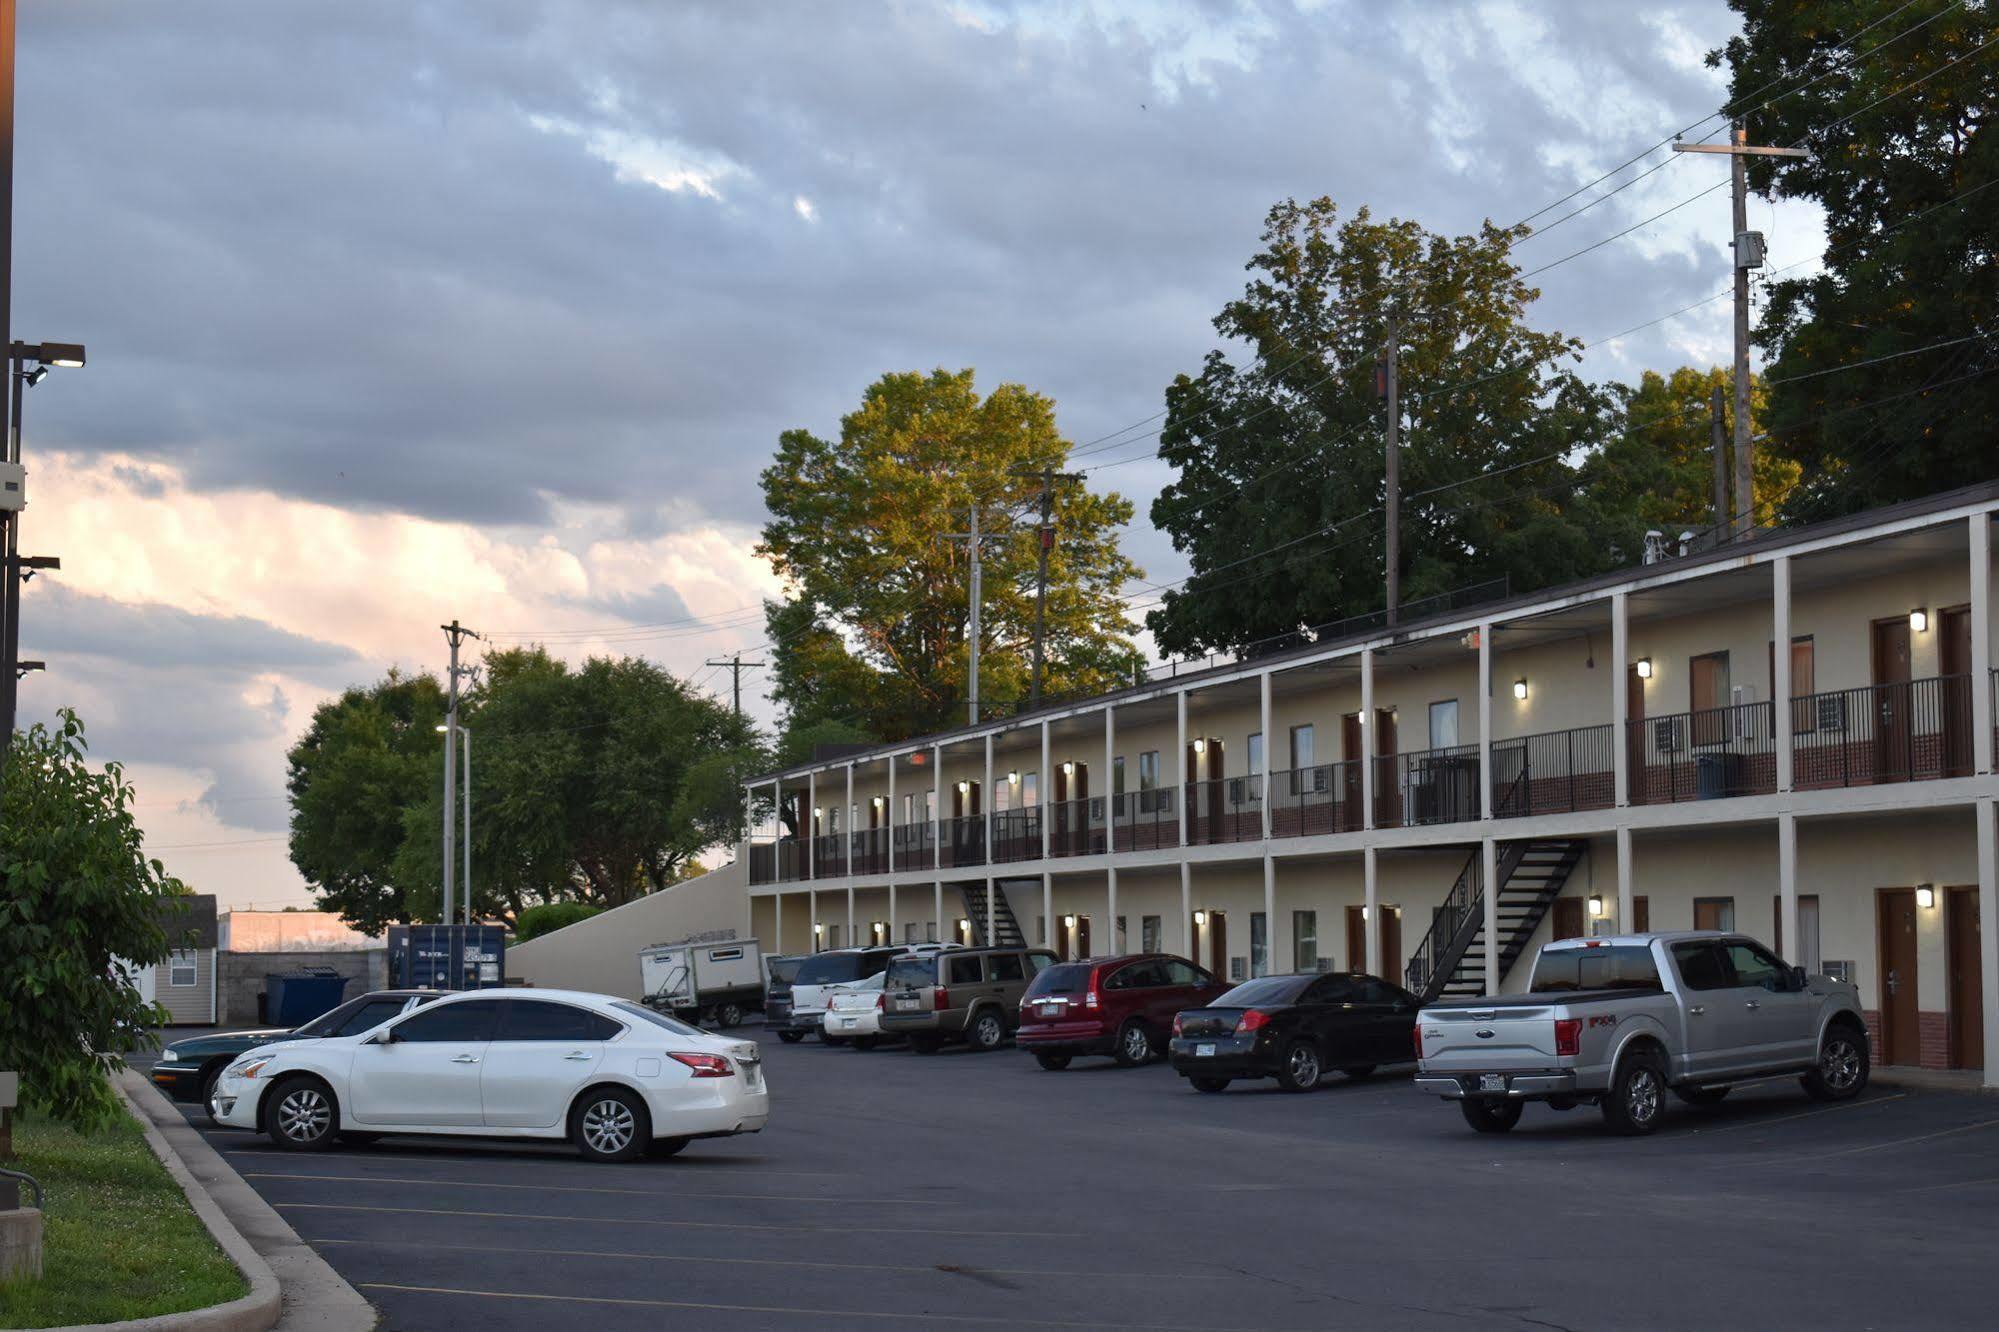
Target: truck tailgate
{"type": "Point", "coordinates": [1499, 1037]}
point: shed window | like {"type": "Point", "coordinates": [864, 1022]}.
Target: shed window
{"type": "Point", "coordinates": [182, 969]}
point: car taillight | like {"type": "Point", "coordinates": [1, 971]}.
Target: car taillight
{"type": "Point", "coordinates": [704, 1065]}
{"type": "Point", "coordinates": [1568, 1036]}
{"type": "Point", "coordinates": [940, 998]}
{"type": "Point", "coordinates": [878, 999]}
{"type": "Point", "coordinates": [1177, 1030]}
{"type": "Point", "coordinates": [1417, 1033]}
{"type": "Point", "coordinates": [1090, 996]}
{"type": "Point", "coordinates": [1253, 1020]}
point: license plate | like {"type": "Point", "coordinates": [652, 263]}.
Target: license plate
{"type": "Point", "coordinates": [847, 1023]}
{"type": "Point", "coordinates": [1050, 1010]}
{"type": "Point", "coordinates": [904, 1005]}
{"type": "Point", "coordinates": [1492, 1082]}
{"type": "Point", "coordinates": [1205, 1050]}
{"type": "Point", "coordinates": [753, 1077]}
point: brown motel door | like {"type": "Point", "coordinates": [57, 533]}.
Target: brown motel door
{"type": "Point", "coordinates": [1634, 735]}
{"type": "Point", "coordinates": [1900, 1042]}
{"type": "Point", "coordinates": [1961, 944]}
{"type": "Point", "coordinates": [1351, 817]}
{"type": "Point", "coordinates": [1568, 918]}
{"type": "Point", "coordinates": [1891, 700]}
{"type": "Point", "coordinates": [1954, 664]}
{"type": "Point", "coordinates": [1218, 944]}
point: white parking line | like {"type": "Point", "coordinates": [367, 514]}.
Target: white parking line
{"type": "Point", "coordinates": [400, 1244]}
{"type": "Point", "coordinates": [1904, 1142]}
{"type": "Point", "coordinates": [1009, 1320]}
{"type": "Point", "coordinates": [1803, 1114]}
{"type": "Point", "coordinates": [685, 1225]}
{"type": "Point", "coordinates": [695, 1166]}
{"type": "Point", "coordinates": [578, 1188]}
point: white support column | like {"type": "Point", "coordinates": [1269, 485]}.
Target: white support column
{"type": "Point", "coordinates": [1620, 704]}
{"type": "Point", "coordinates": [812, 931]}
{"type": "Point", "coordinates": [937, 913]}
{"type": "Point", "coordinates": [1485, 720]}
{"type": "Point", "coordinates": [987, 803]}
{"type": "Point", "coordinates": [992, 912]}
{"type": "Point", "coordinates": [1981, 691]}
{"type": "Point", "coordinates": [1987, 814]}
{"type": "Point", "coordinates": [1787, 878]}
{"type": "Point", "coordinates": [1047, 910]}
{"type": "Point", "coordinates": [1109, 780]}
{"type": "Point", "coordinates": [811, 826]}
{"type": "Point", "coordinates": [1187, 916]}
{"type": "Point", "coordinates": [888, 821]}
{"type": "Point", "coordinates": [1367, 754]}
{"type": "Point", "coordinates": [1269, 897]}
{"type": "Point", "coordinates": [1370, 930]}
{"type": "Point", "coordinates": [1179, 788]}
{"type": "Point", "coordinates": [1627, 907]}
{"type": "Point", "coordinates": [1044, 786]}
{"type": "Point", "coordinates": [1110, 890]}
{"type": "Point", "coordinates": [892, 922]}
{"type": "Point", "coordinates": [936, 806]}
{"type": "Point", "coordinates": [850, 915]}
{"type": "Point", "coordinates": [1269, 749]}
{"type": "Point", "coordinates": [1489, 898]}
{"type": "Point", "coordinates": [777, 931]}
{"type": "Point", "coordinates": [1780, 702]}
{"type": "Point", "coordinates": [851, 822]}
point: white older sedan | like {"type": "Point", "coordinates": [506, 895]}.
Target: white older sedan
{"type": "Point", "coordinates": [614, 1077]}
{"type": "Point", "coordinates": [854, 1013]}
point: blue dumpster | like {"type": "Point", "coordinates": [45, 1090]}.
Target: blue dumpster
{"type": "Point", "coordinates": [294, 998]}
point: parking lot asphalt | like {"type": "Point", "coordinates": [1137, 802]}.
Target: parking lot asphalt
{"type": "Point", "coordinates": [977, 1190]}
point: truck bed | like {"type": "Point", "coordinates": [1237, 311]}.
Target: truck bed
{"type": "Point", "coordinates": [1544, 998]}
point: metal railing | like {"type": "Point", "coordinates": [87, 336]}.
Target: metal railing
{"type": "Point", "coordinates": [870, 851]}
{"type": "Point", "coordinates": [1146, 820]}
{"type": "Point", "coordinates": [915, 845]}
{"type": "Point", "coordinates": [1016, 835]}
{"type": "Point", "coordinates": [964, 842]}
{"type": "Point", "coordinates": [1911, 731]}
{"type": "Point", "coordinates": [1076, 827]}
{"type": "Point", "coordinates": [1554, 772]}
{"type": "Point", "coordinates": [1224, 809]}
{"type": "Point", "coordinates": [1426, 786]}
{"type": "Point", "coordinates": [763, 862]}
{"type": "Point", "coordinates": [1451, 926]}
{"type": "Point", "coordinates": [1705, 755]}
{"type": "Point", "coordinates": [1305, 802]}
{"type": "Point", "coordinates": [829, 856]}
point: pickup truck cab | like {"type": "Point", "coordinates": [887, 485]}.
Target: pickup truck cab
{"type": "Point", "coordinates": [1622, 1020]}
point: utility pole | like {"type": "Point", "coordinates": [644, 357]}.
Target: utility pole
{"type": "Point", "coordinates": [9, 516]}
{"type": "Point", "coordinates": [1045, 539]}
{"type": "Point", "coordinates": [1391, 393]}
{"type": "Point", "coordinates": [1718, 442]}
{"type": "Point", "coordinates": [972, 540]}
{"type": "Point", "coordinates": [737, 666]}
{"type": "Point", "coordinates": [1748, 254]}
{"type": "Point", "coordinates": [454, 634]}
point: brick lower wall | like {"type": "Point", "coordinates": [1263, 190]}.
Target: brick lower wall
{"type": "Point", "coordinates": [1932, 1037]}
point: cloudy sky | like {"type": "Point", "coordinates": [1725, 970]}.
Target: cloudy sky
{"type": "Point", "coordinates": [401, 310]}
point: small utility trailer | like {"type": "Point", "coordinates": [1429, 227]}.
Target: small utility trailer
{"type": "Point", "coordinates": [702, 980]}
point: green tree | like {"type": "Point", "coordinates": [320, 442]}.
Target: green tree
{"type": "Point", "coordinates": [368, 757]}
{"type": "Point", "coordinates": [1657, 470]}
{"type": "Point", "coordinates": [1895, 117]}
{"type": "Point", "coordinates": [548, 918]}
{"type": "Point", "coordinates": [873, 632]}
{"type": "Point", "coordinates": [1281, 471]}
{"type": "Point", "coordinates": [78, 898]}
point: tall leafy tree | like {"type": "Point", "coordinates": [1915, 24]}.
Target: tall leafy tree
{"type": "Point", "coordinates": [873, 631]}
{"type": "Point", "coordinates": [1657, 469]}
{"type": "Point", "coordinates": [78, 898]}
{"type": "Point", "coordinates": [368, 757]}
{"type": "Point", "coordinates": [1281, 458]}
{"type": "Point", "coordinates": [1894, 102]}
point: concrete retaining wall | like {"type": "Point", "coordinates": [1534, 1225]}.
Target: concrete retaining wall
{"type": "Point", "coordinates": [602, 953]}
{"type": "Point", "coordinates": [241, 977]}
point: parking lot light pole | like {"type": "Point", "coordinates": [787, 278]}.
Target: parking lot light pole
{"type": "Point", "coordinates": [465, 854]}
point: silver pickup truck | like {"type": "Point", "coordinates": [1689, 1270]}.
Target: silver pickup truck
{"type": "Point", "coordinates": [1624, 1019]}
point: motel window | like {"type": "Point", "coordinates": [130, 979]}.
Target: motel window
{"type": "Point", "coordinates": [1714, 913]}
{"type": "Point", "coordinates": [1301, 747]}
{"type": "Point", "coordinates": [1443, 723]}
{"type": "Point", "coordinates": [1117, 775]}
{"type": "Point", "coordinates": [1148, 780]}
{"type": "Point", "coordinates": [1259, 944]}
{"type": "Point", "coordinates": [1804, 681]}
{"type": "Point", "coordinates": [1304, 941]}
{"type": "Point", "coordinates": [1030, 790]}
{"type": "Point", "coordinates": [182, 970]}
{"type": "Point", "coordinates": [1148, 934]}
{"type": "Point", "coordinates": [1256, 752]}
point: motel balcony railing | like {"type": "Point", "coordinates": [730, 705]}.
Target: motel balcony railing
{"type": "Point", "coordinates": [1016, 835]}
{"type": "Point", "coordinates": [1225, 809]}
{"type": "Point", "coordinates": [1305, 802]}
{"type": "Point", "coordinates": [1708, 754]}
{"type": "Point", "coordinates": [1554, 772]}
{"type": "Point", "coordinates": [964, 842]}
{"type": "Point", "coordinates": [870, 851]}
{"type": "Point", "coordinates": [1426, 786]}
{"type": "Point", "coordinates": [1911, 731]}
{"type": "Point", "coordinates": [1076, 827]}
{"type": "Point", "coordinates": [829, 856]}
{"type": "Point", "coordinates": [915, 846]}
{"type": "Point", "coordinates": [1145, 820]}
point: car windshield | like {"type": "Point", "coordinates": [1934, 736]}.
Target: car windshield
{"type": "Point", "coordinates": [783, 969]}
{"type": "Point", "coordinates": [912, 973]}
{"type": "Point", "coordinates": [1062, 978]}
{"type": "Point", "coordinates": [673, 1025]}
{"type": "Point", "coordinates": [329, 1022]}
{"type": "Point", "coordinates": [1618, 967]}
{"type": "Point", "coordinates": [829, 969]}
{"type": "Point", "coordinates": [1264, 990]}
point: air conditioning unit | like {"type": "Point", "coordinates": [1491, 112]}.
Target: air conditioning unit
{"type": "Point", "coordinates": [1238, 968]}
{"type": "Point", "coordinates": [1832, 712]}
{"type": "Point", "coordinates": [1742, 717]}
{"type": "Point", "coordinates": [1666, 735]}
{"type": "Point", "coordinates": [1322, 780]}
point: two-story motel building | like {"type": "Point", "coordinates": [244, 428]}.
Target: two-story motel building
{"type": "Point", "coordinates": [1607, 752]}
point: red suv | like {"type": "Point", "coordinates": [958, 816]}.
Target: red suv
{"type": "Point", "coordinates": [1117, 1006]}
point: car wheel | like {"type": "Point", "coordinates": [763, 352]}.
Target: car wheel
{"type": "Point", "coordinates": [729, 1015]}
{"type": "Point", "coordinates": [665, 1147]}
{"type": "Point", "coordinates": [610, 1124]}
{"type": "Point", "coordinates": [988, 1030]}
{"type": "Point", "coordinates": [1701, 1095]}
{"type": "Point", "coordinates": [301, 1114]}
{"type": "Point", "coordinates": [1844, 1062]}
{"type": "Point", "coordinates": [1358, 1070]}
{"type": "Point", "coordinates": [791, 1037]}
{"type": "Point", "coordinates": [1637, 1095]}
{"type": "Point", "coordinates": [1210, 1084]}
{"type": "Point", "coordinates": [1054, 1063]}
{"type": "Point", "coordinates": [1299, 1070]}
{"type": "Point", "coordinates": [866, 1042]}
{"type": "Point", "coordinates": [356, 1138]}
{"type": "Point", "coordinates": [1491, 1114]}
{"type": "Point", "coordinates": [208, 1095]}
{"type": "Point", "coordinates": [1134, 1045]}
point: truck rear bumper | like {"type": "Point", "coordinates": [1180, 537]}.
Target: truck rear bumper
{"type": "Point", "coordinates": [1519, 1086]}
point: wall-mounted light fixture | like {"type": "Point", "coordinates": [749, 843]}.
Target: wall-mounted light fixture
{"type": "Point", "coordinates": [1069, 922]}
{"type": "Point", "coordinates": [1596, 904]}
{"type": "Point", "coordinates": [964, 788]}
{"type": "Point", "coordinates": [1363, 913]}
{"type": "Point", "coordinates": [964, 924]}
{"type": "Point", "coordinates": [1919, 619]}
{"type": "Point", "coordinates": [817, 928]}
{"type": "Point", "coordinates": [1644, 668]}
{"type": "Point", "coordinates": [1068, 769]}
{"type": "Point", "coordinates": [1013, 779]}
{"type": "Point", "coordinates": [1520, 688]}
{"type": "Point", "coordinates": [1200, 746]}
{"type": "Point", "coordinates": [818, 813]}
{"type": "Point", "coordinates": [1200, 919]}
{"type": "Point", "coordinates": [1926, 895]}
{"type": "Point", "coordinates": [879, 801]}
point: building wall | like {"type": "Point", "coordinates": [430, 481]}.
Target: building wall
{"type": "Point", "coordinates": [241, 977]}
{"type": "Point", "coordinates": [188, 1003]}
{"type": "Point", "coordinates": [290, 932]}
{"type": "Point", "coordinates": [601, 954]}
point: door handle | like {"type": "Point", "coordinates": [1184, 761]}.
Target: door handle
{"type": "Point", "coordinates": [465, 1059]}
{"type": "Point", "coordinates": [1696, 1010]}
{"type": "Point", "coordinates": [576, 1054]}
{"type": "Point", "coordinates": [1893, 982]}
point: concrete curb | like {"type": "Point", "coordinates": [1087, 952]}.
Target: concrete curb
{"type": "Point", "coordinates": [291, 1287]}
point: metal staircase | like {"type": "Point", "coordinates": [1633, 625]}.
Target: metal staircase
{"type": "Point", "coordinates": [1005, 928]}
{"type": "Point", "coordinates": [1450, 962]}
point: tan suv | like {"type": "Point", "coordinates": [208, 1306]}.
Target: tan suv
{"type": "Point", "coordinates": [968, 994]}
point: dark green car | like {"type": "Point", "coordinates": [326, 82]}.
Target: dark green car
{"type": "Point", "coordinates": [187, 1069]}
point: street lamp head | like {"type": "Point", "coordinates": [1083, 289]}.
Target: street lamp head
{"type": "Point", "coordinates": [68, 355]}
{"type": "Point", "coordinates": [35, 376]}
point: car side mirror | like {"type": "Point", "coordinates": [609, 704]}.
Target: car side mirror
{"type": "Point", "coordinates": [386, 1036]}
{"type": "Point", "coordinates": [1799, 980]}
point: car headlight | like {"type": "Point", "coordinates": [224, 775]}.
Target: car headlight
{"type": "Point", "coordinates": [248, 1068]}
{"type": "Point", "coordinates": [169, 1056]}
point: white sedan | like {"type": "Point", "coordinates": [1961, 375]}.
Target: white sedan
{"type": "Point", "coordinates": [854, 1013]}
{"type": "Point", "coordinates": [614, 1077]}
